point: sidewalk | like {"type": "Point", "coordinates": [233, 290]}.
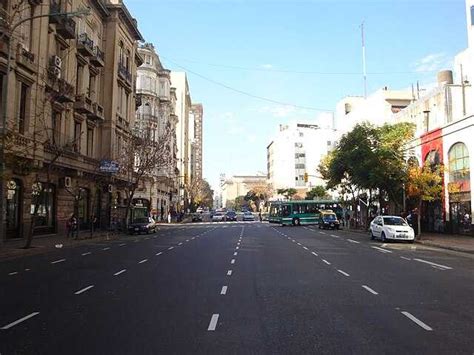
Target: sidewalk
{"type": "Point", "coordinates": [42, 244]}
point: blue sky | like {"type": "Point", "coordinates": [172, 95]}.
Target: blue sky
{"type": "Point", "coordinates": [305, 53]}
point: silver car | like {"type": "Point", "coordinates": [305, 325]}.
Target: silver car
{"type": "Point", "coordinates": [218, 217]}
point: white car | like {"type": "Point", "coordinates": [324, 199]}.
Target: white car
{"type": "Point", "coordinates": [218, 217]}
{"type": "Point", "coordinates": [391, 228]}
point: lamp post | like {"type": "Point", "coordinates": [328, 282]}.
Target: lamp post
{"type": "Point", "coordinates": [3, 129]}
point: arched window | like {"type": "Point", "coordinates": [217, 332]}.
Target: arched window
{"type": "Point", "coordinates": [458, 157]}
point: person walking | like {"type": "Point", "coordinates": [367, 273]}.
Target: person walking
{"type": "Point", "coordinates": [169, 217]}
{"type": "Point", "coordinates": [71, 225]}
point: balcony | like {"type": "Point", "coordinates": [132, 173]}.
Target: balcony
{"type": "Point", "coordinates": [83, 105]}
{"type": "Point", "coordinates": [85, 45]}
{"type": "Point", "coordinates": [25, 58]}
{"type": "Point", "coordinates": [124, 74]}
{"type": "Point", "coordinates": [61, 90]}
{"type": "Point", "coordinates": [65, 26]}
{"type": "Point", "coordinates": [97, 112]}
{"type": "Point", "coordinates": [164, 98]}
{"type": "Point", "coordinates": [98, 58]}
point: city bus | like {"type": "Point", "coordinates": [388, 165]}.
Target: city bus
{"type": "Point", "coordinates": [301, 211]}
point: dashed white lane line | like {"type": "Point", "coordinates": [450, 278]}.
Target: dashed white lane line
{"type": "Point", "coordinates": [433, 264]}
{"type": "Point", "coordinates": [382, 250]}
{"type": "Point", "coordinates": [143, 261]}
{"type": "Point", "coordinates": [13, 273]}
{"type": "Point", "coordinates": [157, 254]}
{"type": "Point", "coordinates": [322, 233]}
{"type": "Point", "coordinates": [314, 253]}
{"type": "Point", "coordinates": [213, 322]}
{"type": "Point", "coordinates": [123, 244]}
{"type": "Point", "coordinates": [193, 238]}
{"type": "Point", "coordinates": [299, 244]}
{"type": "Point", "coordinates": [170, 248]}
{"type": "Point", "coordinates": [343, 272]}
{"type": "Point", "coordinates": [58, 261]}
{"type": "Point", "coordinates": [294, 241]}
{"type": "Point", "coordinates": [27, 269]}
{"type": "Point", "coordinates": [235, 254]}
{"type": "Point", "coordinates": [83, 290]}
{"type": "Point", "coordinates": [335, 236]}
{"type": "Point", "coordinates": [229, 272]}
{"type": "Point", "coordinates": [405, 258]}
{"type": "Point", "coordinates": [8, 326]}
{"type": "Point", "coordinates": [232, 261]}
{"type": "Point", "coordinates": [87, 253]}
{"type": "Point", "coordinates": [180, 243]}
{"type": "Point", "coordinates": [106, 248]}
{"type": "Point", "coordinates": [187, 240]}
{"type": "Point", "coordinates": [305, 248]}
{"type": "Point", "coordinates": [417, 321]}
{"type": "Point", "coordinates": [120, 272]}
{"type": "Point", "coordinates": [353, 241]}
{"type": "Point", "coordinates": [370, 290]}
{"type": "Point", "coordinates": [327, 262]}
{"type": "Point", "coordinates": [224, 290]}
{"type": "Point", "coordinates": [237, 248]}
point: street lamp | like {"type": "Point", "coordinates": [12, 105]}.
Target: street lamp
{"type": "Point", "coordinates": [78, 13]}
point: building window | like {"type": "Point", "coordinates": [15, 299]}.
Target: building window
{"type": "Point", "coordinates": [79, 74]}
{"type": "Point", "coordinates": [43, 204]}
{"type": "Point", "coordinates": [90, 142]}
{"type": "Point", "coordinates": [13, 208]}
{"type": "Point", "coordinates": [77, 136]}
{"type": "Point", "coordinates": [22, 109]}
{"type": "Point", "coordinates": [458, 157]}
{"type": "Point", "coordinates": [83, 207]}
{"type": "Point", "coordinates": [56, 127]}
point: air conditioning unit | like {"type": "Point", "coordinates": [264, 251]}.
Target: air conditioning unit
{"type": "Point", "coordinates": [67, 182]}
{"type": "Point", "coordinates": [56, 72]}
{"type": "Point", "coordinates": [56, 61]}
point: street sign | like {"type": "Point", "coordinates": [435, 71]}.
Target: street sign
{"type": "Point", "coordinates": [109, 166]}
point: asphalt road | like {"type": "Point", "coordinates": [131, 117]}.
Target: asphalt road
{"type": "Point", "coordinates": [239, 288]}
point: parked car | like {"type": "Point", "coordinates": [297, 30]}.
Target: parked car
{"type": "Point", "coordinates": [391, 228]}
{"type": "Point", "coordinates": [231, 216]}
{"type": "Point", "coordinates": [142, 225]}
{"type": "Point", "coordinates": [218, 217]}
{"type": "Point", "coordinates": [197, 217]}
{"type": "Point", "coordinates": [248, 216]}
{"type": "Point", "coordinates": [328, 220]}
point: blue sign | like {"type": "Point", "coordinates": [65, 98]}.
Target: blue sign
{"type": "Point", "coordinates": [109, 166]}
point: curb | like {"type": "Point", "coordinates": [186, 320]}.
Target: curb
{"type": "Point", "coordinates": [447, 247]}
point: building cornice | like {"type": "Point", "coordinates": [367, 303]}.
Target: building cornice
{"type": "Point", "coordinates": [127, 18]}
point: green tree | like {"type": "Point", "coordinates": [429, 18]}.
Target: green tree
{"type": "Point", "coordinates": [317, 192]}
{"type": "Point", "coordinates": [288, 193]}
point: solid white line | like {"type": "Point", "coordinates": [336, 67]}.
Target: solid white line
{"type": "Point", "coordinates": [314, 253]}
{"type": "Point", "coordinates": [120, 272]}
{"type": "Point", "coordinates": [107, 248]}
{"type": "Point", "coordinates": [417, 321]}
{"type": "Point", "coordinates": [123, 244]}
{"type": "Point", "coordinates": [370, 290]}
{"type": "Point", "coordinates": [405, 258]}
{"type": "Point", "coordinates": [433, 264]}
{"type": "Point", "coordinates": [159, 253]}
{"type": "Point", "coordinates": [58, 261]}
{"type": "Point", "coordinates": [213, 322]}
{"type": "Point", "coordinates": [382, 250]}
{"type": "Point", "coordinates": [327, 262]}
{"type": "Point", "coordinates": [88, 253]}
{"type": "Point", "coordinates": [229, 272]}
{"type": "Point", "coordinates": [13, 273]}
{"type": "Point", "coordinates": [83, 290]}
{"type": "Point", "coordinates": [232, 261]}
{"type": "Point", "coordinates": [305, 248]}
{"type": "Point", "coordinates": [8, 326]}
{"type": "Point", "coordinates": [170, 248]}
{"type": "Point", "coordinates": [353, 241]}
{"type": "Point", "coordinates": [343, 272]}
{"type": "Point", "coordinates": [224, 290]}
{"type": "Point", "coordinates": [143, 261]}
{"type": "Point", "coordinates": [235, 254]}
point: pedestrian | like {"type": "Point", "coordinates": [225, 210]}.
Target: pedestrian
{"type": "Point", "coordinates": [71, 225]}
{"type": "Point", "coordinates": [260, 215]}
{"type": "Point", "coordinates": [169, 217]}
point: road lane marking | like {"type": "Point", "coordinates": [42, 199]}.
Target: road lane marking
{"type": "Point", "coordinates": [405, 258]}
{"type": "Point", "coordinates": [305, 248]}
{"type": "Point", "coordinates": [235, 254]}
{"type": "Point", "coordinates": [294, 241]}
{"type": "Point", "coordinates": [237, 248]}
{"type": "Point", "coordinates": [8, 326]}
{"type": "Point", "coordinates": [213, 322]}
{"type": "Point", "coordinates": [27, 269]}
{"type": "Point", "coordinates": [229, 272]}
{"type": "Point", "coordinates": [106, 248]}
{"type": "Point", "coordinates": [232, 261]}
{"type": "Point", "coordinates": [327, 262]}
{"type": "Point", "coordinates": [224, 290]}
{"type": "Point", "coordinates": [83, 290]}
{"type": "Point", "coordinates": [157, 254]}
{"type": "Point", "coordinates": [335, 236]}
{"type": "Point", "coordinates": [170, 248]}
{"type": "Point", "coordinates": [58, 261]}
{"type": "Point", "coordinates": [322, 233]}
{"type": "Point", "coordinates": [343, 272]}
{"type": "Point", "coordinates": [314, 253]}
{"type": "Point", "coordinates": [417, 321]}
{"type": "Point", "coordinates": [123, 244]}
{"type": "Point", "coordinates": [370, 290]}
{"type": "Point", "coordinates": [434, 264]}
{"type": "Point", "coordinates": [180, 243]}
{"type": "Point", "coordinates": [382, 250]}
{"type": "Point", "coordinates": [13, 273]}
{"type": "Point", "coordinates": [187, 240]}
{"type": "Point", "coordinates": [120, 272]}
{"type": "Point", "coordinates": [353, 241]}
{"type": "Point", "coordinates": [143, 261]}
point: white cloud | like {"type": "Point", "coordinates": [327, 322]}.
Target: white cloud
{"type": "Point", "coordinates": [433, 62]}
{"type": "Point", "coordinates": [279, 111]}
{"type": "Point", "coordinates": [267, 66]}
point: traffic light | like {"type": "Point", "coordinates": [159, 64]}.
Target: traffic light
{"type": "Point", "coordinates": [305, 177]}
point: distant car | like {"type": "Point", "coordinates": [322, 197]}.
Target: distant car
{"type": "Point", "coordinates": [197, 217]}
{"type": "Point", "coordinates": [142, 225]}
{"type": "Point", "coordinates": [231, 216]}
{"type": "Point", "coordinates": [328, 220]}
{"type": "Point", "coordinates": [391, 228]}
{"type": "Point", "coordinates": [248, 216]}
{"type": "Point", "coordinates": [218, 217]}
{"type": "Point", "coordinates": [199, 210]}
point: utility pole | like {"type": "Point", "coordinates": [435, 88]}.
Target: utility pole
{"type": "Point", "coordinates": [363, 59]}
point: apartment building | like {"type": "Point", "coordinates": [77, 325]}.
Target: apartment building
{"type": "Point", "coordinates": [196, 116]}
{"type": "Point", "coordinates": [238, 185]}
{"type": "Point", "coordinates": [71, 108]}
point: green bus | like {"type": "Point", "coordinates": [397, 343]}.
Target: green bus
{"type": "Point", "coordinates": [301, 211]}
